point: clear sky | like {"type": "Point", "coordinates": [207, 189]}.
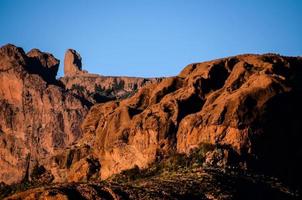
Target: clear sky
{"type": "Point", "coordinates": [152, 37]}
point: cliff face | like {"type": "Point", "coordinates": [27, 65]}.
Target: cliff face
{"type": "Point", "coordinates": [37, 116]}
{"type": "Point", "coordinates": [242, 104]}
{"type": "Point", "coordinates": [40, 117]}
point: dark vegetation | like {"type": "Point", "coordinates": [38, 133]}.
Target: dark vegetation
{"type": "Point", "coordinates": [178, 176]}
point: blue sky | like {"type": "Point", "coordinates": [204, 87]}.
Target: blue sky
{"type": "Point", "coordinates": [152, 37]}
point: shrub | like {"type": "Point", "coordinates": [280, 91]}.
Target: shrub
{"type": "Point", "coordinates": [78, 88]}
{"type": "Point", "coordinates": [197, 156]}
{"type": "Point", "coordinates": [118, 85]}
{"type": "Point", "coordinates": [99, 89]}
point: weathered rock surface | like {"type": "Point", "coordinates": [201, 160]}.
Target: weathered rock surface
{"type": "Point", "coordinates": [248, 104]}
{"type": "Point", "coordinates": [40, 117]}
{"type": "Point", "coordinates": [37, 115]}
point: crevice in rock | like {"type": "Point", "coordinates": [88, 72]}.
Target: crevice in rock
{"type": "Point", "coordinates": [134, 111]}
{"type": "Point", "coordinates": [221, 118]}
{"type": "Point", "coordinates": [94, 167]}
{"type": "Point", "coordinates": [166, 89]}
{"type": "Point", "coordinates": [230, 63]}
{"type": "Point", "coordinates": [217, 76]}
{"type": "Point", "coordinates": [189, 106]}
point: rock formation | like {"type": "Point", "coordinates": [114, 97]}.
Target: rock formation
{"type": "Point", "coordinates": [37, 115]}
{"type": "Point", "coordinates": [243, 104]}
{"type": "Point", "coordinates": [248, 107]}
{"type": "Point", "coordinates": [46, 63]}
{"type": "Point", "coordinates": [72, 63]}
{"type": "Point", "coordinates": [40, 117]}
{"type": "Point", "coordinates": [97, 88]}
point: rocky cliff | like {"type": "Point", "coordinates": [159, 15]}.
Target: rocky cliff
{"type": "Point", "coordinates": [241, 113]}
{"type": "Point", "coordinates": [37, 115]}
{"type": "Point", "coordinates": [40, 116]}
{"type": "Point", "coordinates": [248, 105]}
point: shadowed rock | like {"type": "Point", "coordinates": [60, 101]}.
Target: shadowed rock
{"type": "Point", "coordinates": [44, 64]}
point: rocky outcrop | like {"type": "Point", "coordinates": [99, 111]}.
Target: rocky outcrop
{"type": "Point", "coordinates": [99, 89]}
{"type": "Point", "coordinates": [40, 116]}
{"type": "Point", "coordinates": [96, 88]}
{"type": "Point", "coordinates": [72, 63]}
{"type": "Point", "coordinates": [247, 104]}
{"type": "Point", "coordinates": [44, 63]}
{"type": "Point", "coordinates": [37, 115]}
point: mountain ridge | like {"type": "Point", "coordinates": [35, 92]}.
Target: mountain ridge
{"type": "Point", "coordinates": [240, 113]}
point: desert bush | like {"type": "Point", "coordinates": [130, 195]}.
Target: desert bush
{"type": "Point", "coordinates": [118, 85]}
{"type": "Point", "coordinates": [78, 88]}
{"type": "Point", "coordinates": [99, 89]}
{"type": "Point", "coordinates": [197, 155]}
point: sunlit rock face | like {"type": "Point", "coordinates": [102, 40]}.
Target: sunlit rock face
{"type": "Point", "coordinates": [40, 116]}
{"type": "Point", "coordinates": [37, 115]}
{"type": "Point", "coordinates": [248, 105]}
{"type": "Point", "coordinates": [243, 104]}
{"type": "Point", "coordinates": [72, 63]}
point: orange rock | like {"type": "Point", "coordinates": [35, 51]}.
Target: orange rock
{"type": "Point", "coordinates": [224, 102]}
{"type": "Point", "coordinates": [72, 63]}
{"type": "Point", "coordinates": [37, 115]}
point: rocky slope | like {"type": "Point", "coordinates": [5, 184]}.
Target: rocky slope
{"type": "Point", "coordinates": [201, 184]}
{"type": "Point", "coordinates": [249, 105]}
